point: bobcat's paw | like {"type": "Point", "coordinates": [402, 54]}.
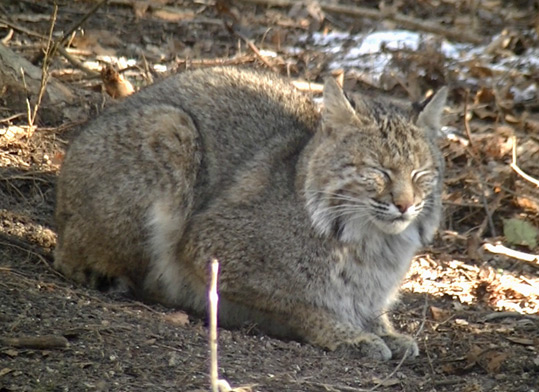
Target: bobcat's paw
{"type": "Point", "coordinates": [368, 346]}
{"type": "Point", "coordinates": [401, 345]}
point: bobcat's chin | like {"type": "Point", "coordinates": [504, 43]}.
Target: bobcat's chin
{"type": "Point", "coordinates": [396, 226]}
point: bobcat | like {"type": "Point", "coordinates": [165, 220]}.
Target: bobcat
{"type": "Point", "coordinates": [313, 215]}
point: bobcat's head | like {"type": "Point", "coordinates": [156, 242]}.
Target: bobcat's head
{"type": "Point", "coordinates": [373, 166]}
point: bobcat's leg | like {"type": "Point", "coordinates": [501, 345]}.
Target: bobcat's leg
{"type": "Point", "coordinates": [124, 194]}
{"type": "Point", "coordinates": [399, 344]}
{"type": "Point", "coordinates": [322, 329]}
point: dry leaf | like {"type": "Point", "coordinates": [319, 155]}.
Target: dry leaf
{"type": "Point", "coordinates": [473, 356]}
{"type": "Point", "coordinates": [495, 361]}
{"type": "Point", "coordinates": [526, 203]}
{"type": "Point", "coordinates": [180, 319]}
{"type": "Point", "coordinates": [439, 314]}
{"type": "Point", "coordinates": [386, 383]}
{"type": "Point", "coordinates": [522, 341]}
{"type": "Point", "coordinates": [116, 85]}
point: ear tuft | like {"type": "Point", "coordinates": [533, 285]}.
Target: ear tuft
{"type": "Point", "coordinates": [431, 115]}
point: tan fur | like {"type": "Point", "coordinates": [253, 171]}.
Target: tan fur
{"type": "Point", "coordinates": [313, 216]}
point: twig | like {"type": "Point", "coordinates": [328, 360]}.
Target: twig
{"type": "Point", "coordinates": [403, 20]}
{"type": "Point", "coordinates": [76, 63]}
{"type": "Point", "coordinates": [8, 37]}
{"type": "Point", "coordinates": [309, 87]}
{"type": "Point", "coordinates": [45, 68]}
{"type": "Point", "coordinates": [254, 49]}
{"type": "Point", "coordinates": [499, 249]}
{"type": "Point", "coordinates": [45, 342]}
{"type": "Point", "coordinates": [467, 122]}
{"type": "Point", "coordinates": [214, 300]}
{"type": "Point", "coordinates": [517, 169]}
{"type": "Point", "coordinates": [21, 29]}
{"type": "Point", "coordinates": [216, 61]}
{"type": "Point", "coordinates": [334, 388]}
{"type": "Point", "coordinates": [217, 385]}
{"type": "Point", "coordinates": [12, 117]}
{"type": "Point", "coordinates": [498, 315]}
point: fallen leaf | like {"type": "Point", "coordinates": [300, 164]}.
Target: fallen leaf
{"type": "Point", "coordinates": [439, 314]}
{"type": "Point", "coordinates": [180, 319]}
{"type": "Point", "coordinates": [526, 203]}
{"type": "Point", "coordinates": [495, 361]}
{"type": "Point", "coordinates": [523, 341]}
{"type": "Point", "coordinates": [473, 356]}
{"type": "Point", "coordinates": [116, 85]}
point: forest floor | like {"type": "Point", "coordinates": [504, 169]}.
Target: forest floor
{"type": "Point", "coordinates": [471, 299]}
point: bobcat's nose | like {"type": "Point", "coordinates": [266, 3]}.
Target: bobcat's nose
{"type": "Point", "coordinates": [403, 205]}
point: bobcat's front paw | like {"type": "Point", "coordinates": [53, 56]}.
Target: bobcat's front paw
{"type": "Point", "coordinates": [401, 345]}
{"type": "Point", "coordinates": [368, 346]}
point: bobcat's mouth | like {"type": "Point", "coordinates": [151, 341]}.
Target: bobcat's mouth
{"type": "Point", "coordinates": [394, 225]}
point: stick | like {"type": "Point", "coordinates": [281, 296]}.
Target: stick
{"type": "Point", "coordinates": [216, 61]}
{"type": "Point", "coordinates": [514, 254]}
{"type": "Point", "coordinates": [21, 29]}
{"type": "Point", "coordinates": [517, 169]}
{"type": "Point", "coordinates": [467, 122]}
{"type": "Point", "coordinates": [45, 68]}
{"type": "Point", "coordinates": [214, 300]}
{"type": "Point", "coordinates": [45, 342]}
{"type": "Point", "coordinates": [405, 21]}
{"type": "Point", "coordinates": [76, 63]}
{"type": "Point", "coordinates": [254, 49]}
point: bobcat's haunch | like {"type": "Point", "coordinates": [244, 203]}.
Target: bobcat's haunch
{"type": "Point", "coordinates": [313, 216]}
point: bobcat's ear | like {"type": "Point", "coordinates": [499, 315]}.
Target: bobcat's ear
{"type": "Point", "coordinates": [338, 110]}
{"type": "Point", "coordinates": [431, 114]}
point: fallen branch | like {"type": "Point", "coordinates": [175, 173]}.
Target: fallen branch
{"type": "Point", "coordinates": [405, 21]}
{"type": "Point", "coordinates": [45, 342]}
{"type": "Point", "coordinates": [21, 29]}
{"type": "Point", "coordinates": [499, 315]}
{"type": "Point", "coordinates": [499, 249]}
{"type": "Point", "coordinates": [216, 61]}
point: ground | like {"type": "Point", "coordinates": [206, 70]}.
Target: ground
{"type": "Point", "coordinates": [471, 299]}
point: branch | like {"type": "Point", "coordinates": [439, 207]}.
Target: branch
{"type": "Point", "coordinates": [405, 21]}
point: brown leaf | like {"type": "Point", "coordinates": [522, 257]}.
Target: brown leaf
{"type": "Point", "coordinates": [473, 244]}
{"type": "Point", "coordinates": [439, 314]}
{"type": "Point", "coordinates": [5, 371]}
{"type": "Point", "coordinates": [473, 356]}
{"type": "Point", "coordinates": [495, 361]}
{"type": "Point", "coordinates": [485, 96]}
{"type": "Point", "coordinates": [522, 341]}
{"type": "Point", "coordinates": [180, 318]}
{"type": "Point", "coordinates": [526, 203]}
{"type": "Point", "coordinates": [115, 84]}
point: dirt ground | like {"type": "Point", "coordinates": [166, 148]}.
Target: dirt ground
{"type": "Point", "coordinates": [472, 303]}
